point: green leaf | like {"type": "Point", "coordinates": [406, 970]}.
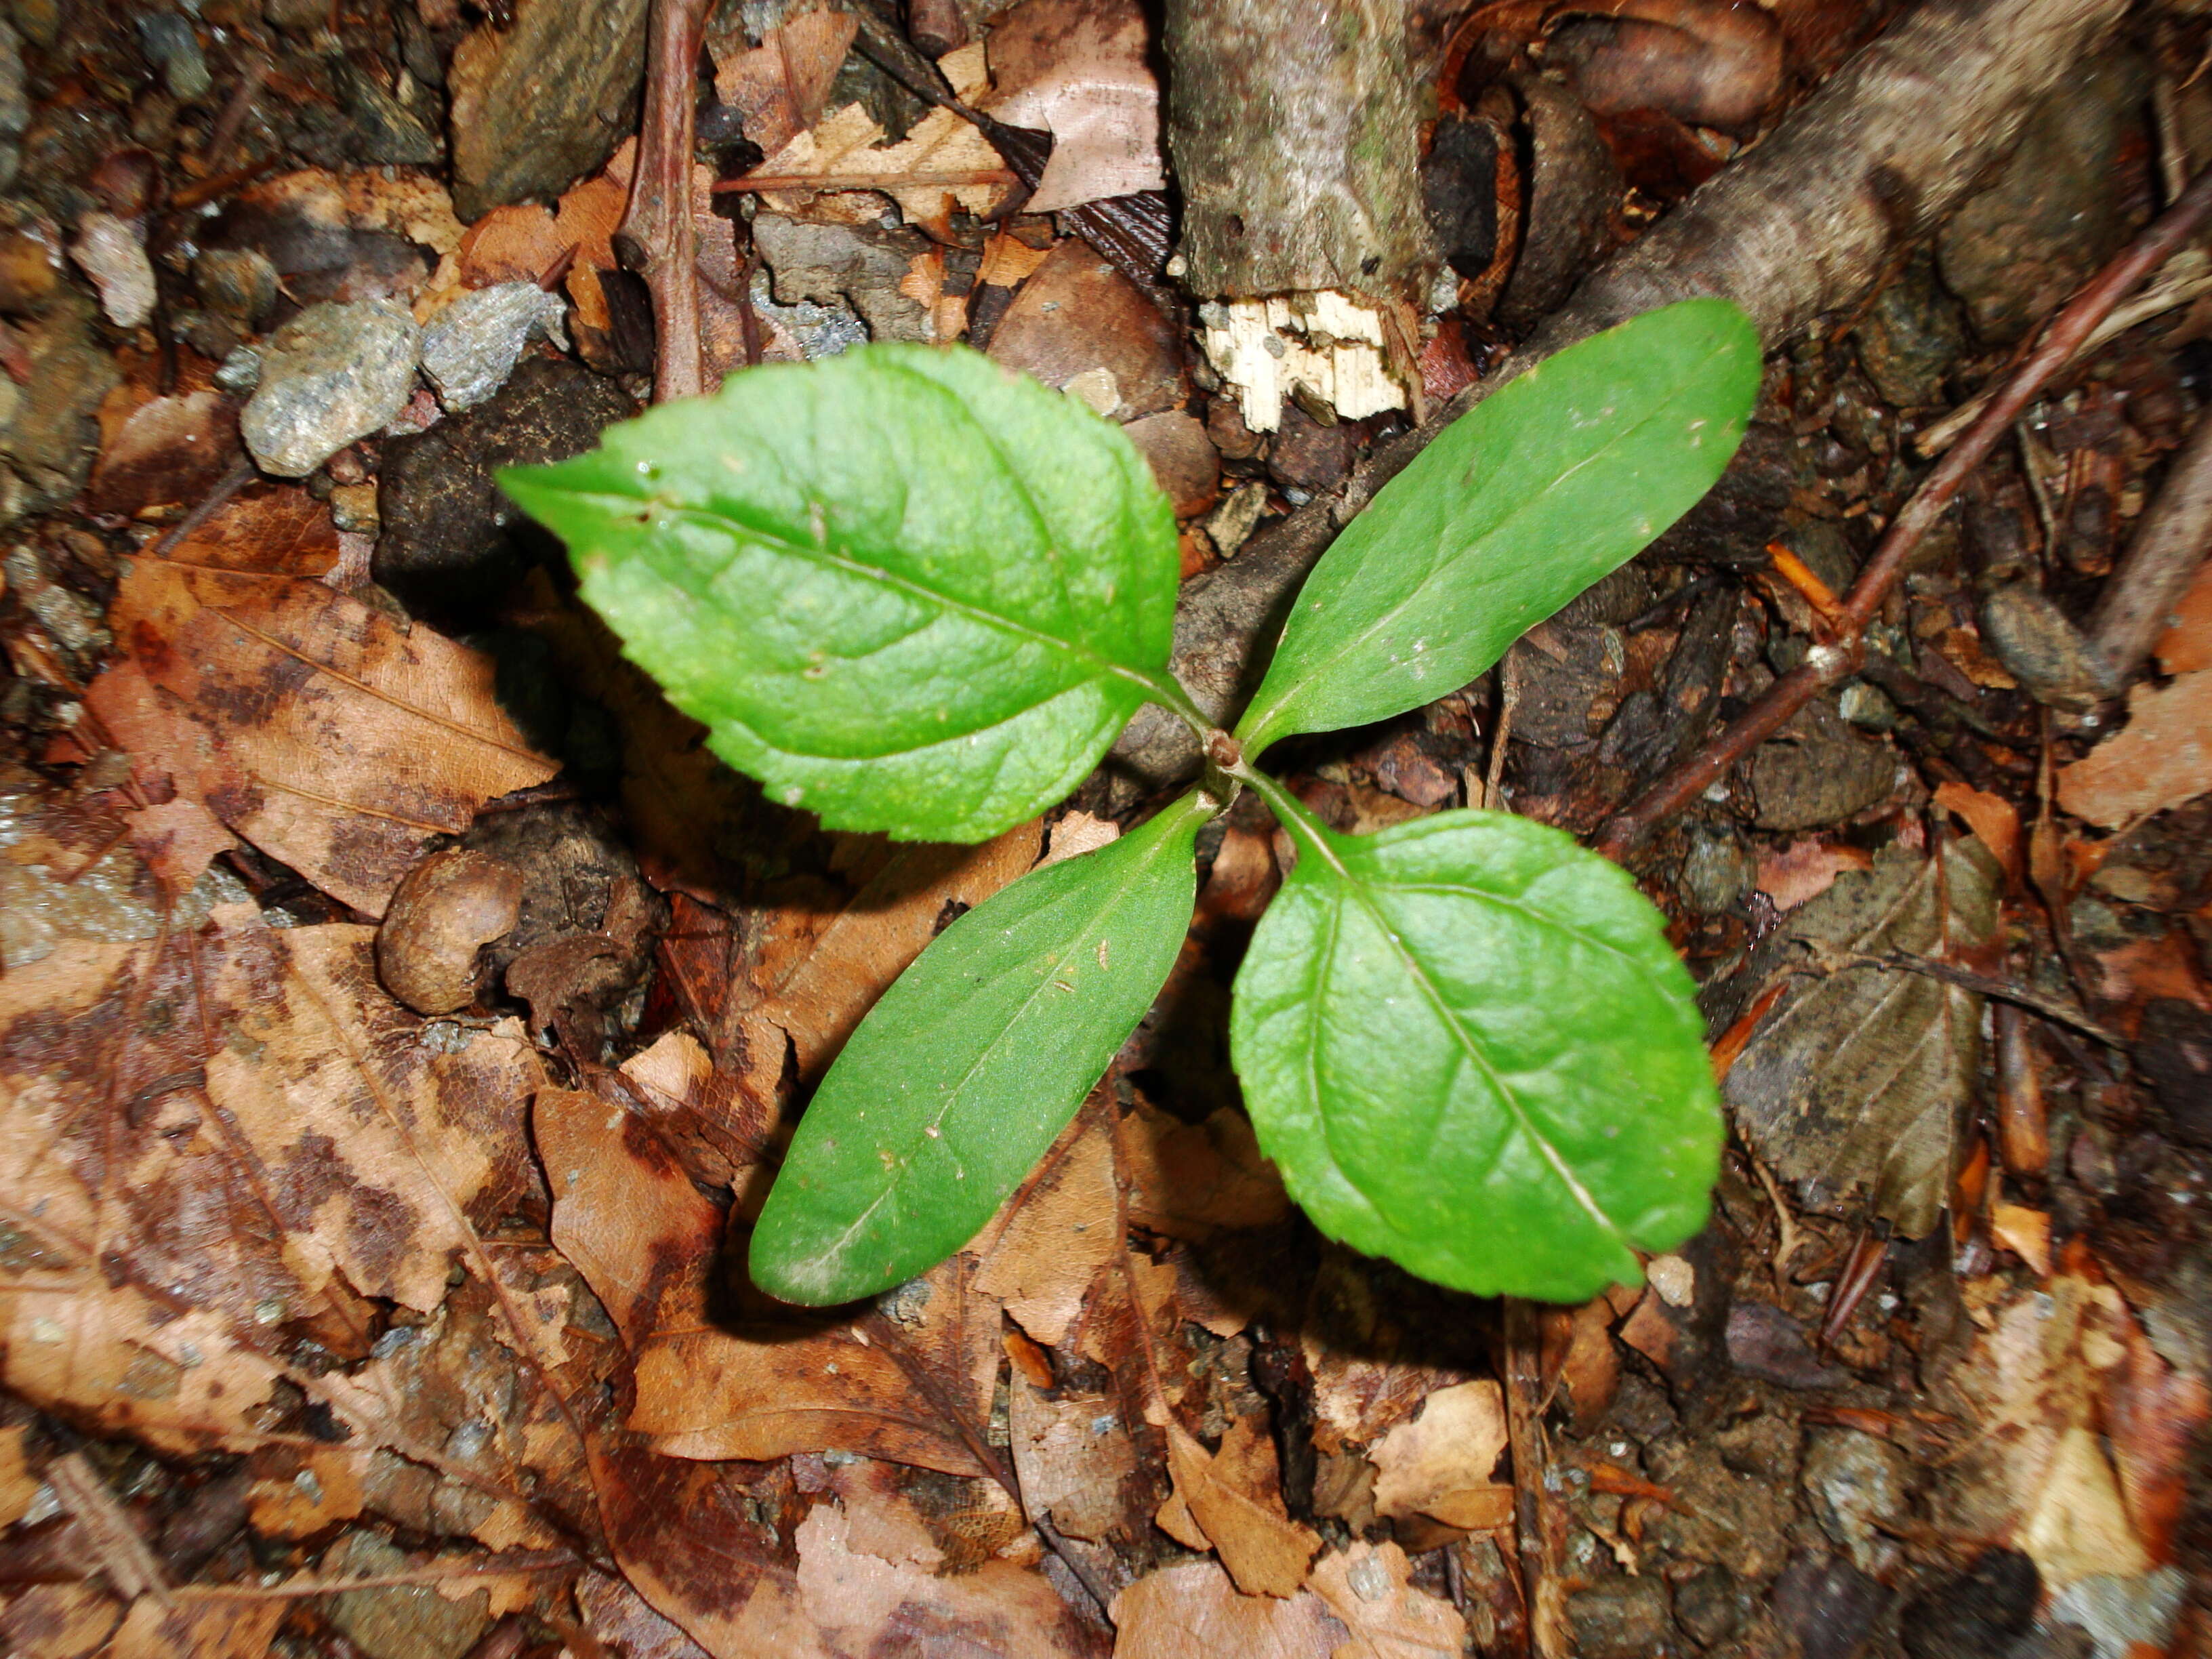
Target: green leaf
{"type": "Point", "coordinates": [1467, 1045]}
{"type": "Point", "coordinates": [902, 587]}
{"type": "Point", "coordinates": [1513, 510]}
{"type": "Point", "coordinates": [974, 1059]}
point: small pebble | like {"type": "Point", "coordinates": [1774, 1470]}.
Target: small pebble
{"type": "Point", "coordinates": [471, 347]}
{"type": "Point", "coordinates": [240, 373]}
{"type": "Point", "coordinates": [238, 282]}
{"type": "Point", "coordinates": [171, 41]}
{"type": "Point", "coordinates": [333, 374]}
{"type": "Point", "coordinates": [2042, 650]}
{"type": "Point", "coordinates": [109, 252]}
{"type": "Point", "coordinates": [353, 508]}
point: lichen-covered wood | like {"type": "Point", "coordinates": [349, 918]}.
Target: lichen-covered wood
{"type": "Point", "coordinates": [1294, 135]}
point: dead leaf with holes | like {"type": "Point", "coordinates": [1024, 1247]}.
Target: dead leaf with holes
{"type": "Point", "coordinates": [943, 165]}
{"type": "Point", "coordinates": [240, 1125]}
{"type": "Point", "coordinates": [1858, 1077]}
{"type": "Point", "coordinates": [307, 722]}
{"type": "Point", "coordinates": [722, 1372]}
{"type": "Point", "coordinates": [1075, 1461]}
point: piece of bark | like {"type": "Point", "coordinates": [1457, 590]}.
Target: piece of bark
{"type": "Point", "coordinates": [1804, 224]}
{"type": "Point", "coordinates": [1294, 134]}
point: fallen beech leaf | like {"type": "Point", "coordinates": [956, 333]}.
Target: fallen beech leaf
{"type": "Point", "coordinates": [1445, 1457]}
{"type": "Point", "coordinates": [1860, 1077]}
{"type": "Point", "coordinates": [308, 722]}
{"type": "Point", "coordinates": [2162, 758]}
{"type": "Point", "coordinates": [160, 452]}
{"type": "Point", "coordinates": [861, 1603]}
{"type": "Point", "coordinates": [1235, 1497]}
{"type": "Point", "coordinates": [1074, 1460]}
{"type": "Point", "coordinates": [944, 164]}
{"type": "Point", "coordinates": [757, 1381]}
{"type": "Point", "coordinates": [1057, 1238]}
{"type": "Point", "coordinates": [527, 243]}
{"type": "Point", "coordinates": [780, 88]}
{"type": "Point", "coordinates": [1369, 1588]}
{"type": "Point", "coordinates": [1178, 1611]}
{"type": "Point", "coordinates": [2186, 647]}
{"type": "Point", "coordinates": [1081, 71]}
{"type": "Point", "coordinates": [323, 1152]}
{"type": "Point", "coordinates": [2025, 1232]}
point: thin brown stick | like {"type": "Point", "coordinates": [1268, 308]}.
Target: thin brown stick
{"type": "Point", "coordinates": [119, 1547]}
{"type": "Point", "coordinates": [658, 239]}
{"type": "Point", "coordinates": [1827, 665]}
{"type": "Point", "coordinates": [2169, 543]}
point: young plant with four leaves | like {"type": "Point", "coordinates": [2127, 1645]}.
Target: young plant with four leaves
{"type": "Point", "coordinates": [914, 594]}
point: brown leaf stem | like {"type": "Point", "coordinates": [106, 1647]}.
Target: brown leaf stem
{"type": "Point", "coordinates": [657, 238]}
{"type": "Point", "coordinates": [1829, 664]}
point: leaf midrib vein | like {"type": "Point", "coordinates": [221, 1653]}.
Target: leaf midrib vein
{"type": "Point", "coordinates": [1321, 670]}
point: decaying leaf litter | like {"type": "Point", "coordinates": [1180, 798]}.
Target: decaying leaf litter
{"type": "Point", "coordinates": [404, 1014]}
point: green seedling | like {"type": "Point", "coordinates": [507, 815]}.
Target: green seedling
{"type": "Point", "coordinates": [912, 592]}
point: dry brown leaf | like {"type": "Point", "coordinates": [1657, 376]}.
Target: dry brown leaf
{"type": "Point", "coordinates": [1369, 1587]}
{"type": "Point", "coordinates": [780, 88]}
{"type": "Point", "coordinates": [1179, 1612]}
{"type": "Point", "coordinates": [1053, 1245]}
{"type": "Point", "coordinates": [1073, 1457]}
{"type": "Point", "coordinates": [57, 1621]}
{"type": "Point", "coordinates": [752, 1379]}
{"type": "Point", "coordinates": [1805, 869]}
{"type": "Point", "coordinates": [943, 165]}
{"type": "Point", "coordinates": [834, 966]}
{"type": "Point", "coordinates": [19, 1487]}
{"type": "Point", "coordinates": [1235, 1498]}
{"type": "Point", "coordinates": [198, 1630]}
{"type": "Point", "coordinates": [308, 722]}
{"type": "Point", "coordinates": [2186, 647]}
{"type": "Point", "coordinates": [2163, 757]}
{"type": "Point", "coordinates": [527, 243]}
{"type": "Point", "coordinates": [324, 1151]}
{"type": "Point", "coordinates": [1992, 817]}
{"type": "Point", "coordinates": [1008, 261]}
{"type": "Point", "coordinates": [160, 451]}
{"type": "Point", "coordinates": [1082, 71]}
{"type": "Point", "coordinates": [1193, 1180]}
{"type": "Point", "coordinates": [862, 1604]}
{"type": "Point", "coordinates": [1441, 1464]}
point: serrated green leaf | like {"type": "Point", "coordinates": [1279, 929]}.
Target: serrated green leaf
{"type": "Point", "coordinates": [1512, 510]}
{"type": "Point", "coordinates": [902, 587]}
{"type": "Point", "coordinates": [1467, 1044]}
{"type": "Point", "coordinates": [974, 1059]}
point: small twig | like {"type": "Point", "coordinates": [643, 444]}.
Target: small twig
{"type": "Point", "coordinates": [240, 475]}
{"type": "Point", "coordinates": [122, 1554]}
{"type": "Point", "coordinates": [430, 1572]}
{"type": "Point", "coordinates": [1509, 693]}
{"type": "Point", "coordinates": [2169, 543]}
{"type": "Point", "coordinates": [1540, 1517]}
{"type": "Point", "coordinates": [1825, 665]}
{"type": "Point", "coordinates": [658, 239]}
{"type": "Point", "coordinates": [954, 178]}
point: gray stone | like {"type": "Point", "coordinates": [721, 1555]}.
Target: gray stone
{"type": "Point", "coordinates": [14, 104]}
{"type": "Point", "coordinates": [2050, 216]}
{"type": "Point", "coordinates": [1909, 337]}
{"type": "Point", "coordinates": [1711, 1606]}
{"type": "Point", "coordinates": [2042, 650]}
{"type": "Point", "coordinates": [2122, 1616]}
{"type": "Point", "coordinates": [401, 1621]}
{"type": "Point", "coordinates": [172, 42]}
{"type": "Point", "coordinates": [240, 372]}
{"type": "Point", "coordinates": [864, 264]}
{"type": "Point", "coordinates": [1623, 1618]}
{"type": "Point", "coordinates": [386, 132]}
{"type": "Point", "coordinates": [1716, 871]}
{"type": "Point", "coordinates": [1858, 1485]}
{"type": "Point", "coordinates": [47, 437]}
{"type": "Point", "coordinates": [471, 347]}
{"type": "Point", "coordinates": [236, 282]}
{"type": "Point", "coordinates": [536, 106]}
{"type": "Point", "coordinates": [109, 252]}
{"type": "Point", "coordinates": [333, 374]}
{"type": "Point", "coordinates": [1820, 771]}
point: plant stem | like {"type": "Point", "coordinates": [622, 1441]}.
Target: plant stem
{"type": "Point", "coordinates": [1291, 812]}
{"type": "Point", "coordinates": [1165, 689]}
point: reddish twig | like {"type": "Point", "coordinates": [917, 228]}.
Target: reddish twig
{"type": "Point", "coordinates": [1829, 663]}
{"type": "Point", "coordinates": [658, 239]}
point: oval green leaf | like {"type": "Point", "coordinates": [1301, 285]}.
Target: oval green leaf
{"type": "Point", "coordinates": [1468, 1046]}
{"type": "Point", "coordinates": [902, 587]}
{"type": "Point", "coordinates": [1515, 508]}
{"type": "Point", "coordinates": [973, 1060]}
